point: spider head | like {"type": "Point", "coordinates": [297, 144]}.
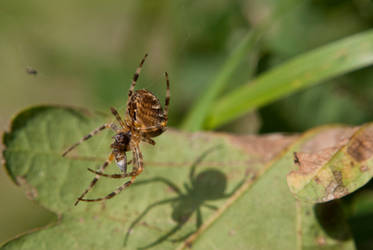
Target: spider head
{"type": "Point", "coordinates": [121, 141]}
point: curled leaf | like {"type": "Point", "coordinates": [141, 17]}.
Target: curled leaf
{"type": "Point", "coordinates": [333, 164]}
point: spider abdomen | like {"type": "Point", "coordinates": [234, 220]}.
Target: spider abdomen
{"type": "Point", "coordinates": [146, 111]}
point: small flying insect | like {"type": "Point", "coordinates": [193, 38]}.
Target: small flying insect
{"type": "Point", "coordinates": [144, 118]}
{"type": "Point", "coordinates": [31, 71]}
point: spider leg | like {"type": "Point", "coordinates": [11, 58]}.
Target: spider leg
{"type": "Point", "coordinates": [114, 176]}
{"type": "Point", "coordinates": [94, 132]}
{"type": "Point", "coordinates": [138, 162]}
{"type": "Point", "coordinates": [135, 76]}
{"type": "Point", "coordinates": [137, 169]}
{"type": "Point", "coordinates": [117, 116]}
{"type": "Point", "coordinates": [148, 140]}
{"type": "Point", "coordinates": [112, 194]}
{"type": "Point", "coordinates": [154, 128]}
{"type": "Point", "coordinates": [93, 182]}
{"type": "Point", "coordinates": [167, 100]}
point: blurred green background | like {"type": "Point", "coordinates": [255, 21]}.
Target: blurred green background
{"type": "Point", "coordinates": [86, 52]}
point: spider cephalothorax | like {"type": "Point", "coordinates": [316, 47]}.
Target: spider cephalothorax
{"type": "Point", "coordinates": [144, 119]}
{"type": "Point", "coordinates": [121, 141]}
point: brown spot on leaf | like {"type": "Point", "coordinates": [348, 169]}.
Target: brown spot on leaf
{"type": "Point", "coordinates": [340, 191]}
{"type": "Point", "coordinates": [338, 177]}
{"type": "Point", "coordinates": [296, 159]}
{"type": "Point", "coordinates": [312, 162]}
{"type": "Point", "coordinates": [329, 192]}
{"type": "Point", "coordinates": [320, 241]}
{"type": "Point", "coordinates": [318, 151]}
{"type": "Point", "coordinates": [336, 188]}
{"type": "Point", "coordinates": [308, 162]}
{"type": "Point", "coordinates": [364, 168]}
{"type": "Point", "coordinates": [265, 147]}
{"type": "Point", "coordinates": [309, 165]}
{"type": "Point", "coordinates": [188, 244]}
{"type": "Point", "coordinates": [170, 189]}
{"type": "Point", "coordinates": [232, 232]}
{"type": "Point", "coordinates": [361, 146]}
{"type": "Point", "coordinates": [317, 180]}
{"type": "Point", "coordinates": [331, 138]}
{"type": "Point", "coordinates": [30, 191]}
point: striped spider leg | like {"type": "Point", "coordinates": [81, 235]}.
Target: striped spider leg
{"type": "Point", "coordinates": [120, 160]}
{"type": "Point", "coordinates": [138, 167]}
{"type": "Point", "coordinates": [144, 119]}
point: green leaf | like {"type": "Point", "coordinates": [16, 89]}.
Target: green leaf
{"type": "Point", "coordinates": [333, 165]}
{"type": "Point", "coordinates": [303, 71]}
{"type": "Point", "coordinates": [207, 190]}
{"type": "Point", "coordinates": [251, 216]}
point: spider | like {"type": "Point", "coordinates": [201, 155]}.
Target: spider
{"type": "Point", "coordinates": [144, 119]}
{"type": "Point", "coordinates": [31, 71]}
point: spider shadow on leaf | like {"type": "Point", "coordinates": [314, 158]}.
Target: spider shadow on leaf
{"type": "Point", "coordinates": [208, 185]}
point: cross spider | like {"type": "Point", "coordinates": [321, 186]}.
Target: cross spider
{"type": "Point", "coordinates": [144, 119]}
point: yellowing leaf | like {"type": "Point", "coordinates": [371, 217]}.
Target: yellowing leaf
{"type": "Point", "coordinates": [333, 164]}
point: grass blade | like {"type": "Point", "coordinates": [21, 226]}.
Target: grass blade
{"type": "Point", "coordinates": [313, 67]}
{"type": "Point", "coordinates": [195, 119]}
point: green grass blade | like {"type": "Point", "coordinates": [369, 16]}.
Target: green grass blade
{"type": "Point", "coordinates": [313, 67]}
{"type": "Point", "coordinates": [195, 119]}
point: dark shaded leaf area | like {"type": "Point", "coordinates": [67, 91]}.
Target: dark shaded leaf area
{"type": "Point", "coordinates": [199, 190]}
